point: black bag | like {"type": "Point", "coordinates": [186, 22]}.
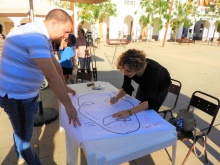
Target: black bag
{"type": "Point", "coordinates": [184, 121]}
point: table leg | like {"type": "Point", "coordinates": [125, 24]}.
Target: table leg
{"type": "Point", "coordinates": [72, 152]}
{"type": "Point", "coordinates": [174, 154]}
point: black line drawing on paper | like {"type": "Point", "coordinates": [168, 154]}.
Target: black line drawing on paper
{"type": "Point", "coordinates": [97, 109]}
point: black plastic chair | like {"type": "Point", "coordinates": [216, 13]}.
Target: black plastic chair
{"type": "Point", "coordinates": [174, 90]}
{"type": "Point", "coordinates": [210, 106]}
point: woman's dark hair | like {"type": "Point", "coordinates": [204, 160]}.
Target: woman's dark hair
{"type": "Point", "coordinates": [72, 40]}
{"type": "Point", "coordinates": [135, 59]}
{"type": "Point", "coordinates": [82, 31]}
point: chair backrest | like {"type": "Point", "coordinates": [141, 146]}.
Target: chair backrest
{"type": "Point", "coordinates": [83, 76]}
{"type": "Point", "coordinates": [175, 88]}
{"type": "Point", "coordinates": [171, 100]}
{"type": "Point", "coordinates": [205, 103]}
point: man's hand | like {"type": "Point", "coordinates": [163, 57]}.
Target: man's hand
{"type": "Point", "coordinates": [73, 116]}
{"type": "Point", "coordinates": [70, 90]}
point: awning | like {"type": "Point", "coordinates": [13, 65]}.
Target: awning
{"type": "Point", "coordinates": [17, 8]}
{"type": "Point", "coordinates": [86, 1]}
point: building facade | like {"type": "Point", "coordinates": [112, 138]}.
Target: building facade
{"type": "Point", "coordinates": [126, 23]}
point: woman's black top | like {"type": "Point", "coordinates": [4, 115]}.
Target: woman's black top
{"type": "Point", "coordinates": [154, 80]}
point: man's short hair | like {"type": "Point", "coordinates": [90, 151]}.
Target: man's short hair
{"type": "Point", "coordinates": [59, 15]}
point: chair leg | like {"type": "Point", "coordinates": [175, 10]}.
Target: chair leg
{"type": "Point", "coordinates": [189, 152]}
{"type": "Point", "coordinates": [205, 153]}
{"type": "Point", "coordinates": [171, 113]}
{"type": "Point", "coordinates": [165, 113]}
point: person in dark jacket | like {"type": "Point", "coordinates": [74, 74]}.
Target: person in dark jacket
{"type": "Point", "coordinates": [153, 80]}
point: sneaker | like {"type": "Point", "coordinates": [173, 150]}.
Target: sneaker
{"type": "Point", "coordinates": [21, 161]}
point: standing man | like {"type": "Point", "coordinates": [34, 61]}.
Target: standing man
{"type": "Point", "coordinates": [27, 57]}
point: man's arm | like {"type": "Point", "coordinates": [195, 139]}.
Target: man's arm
{"type": "Point", "coordinates": [52, 73]}
{"type": "Point", "coordinates": [60, 72]}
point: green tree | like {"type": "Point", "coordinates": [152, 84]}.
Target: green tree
{"type": "Point", "coordinates": [94, 13]}
{"type": "Point", "coordinates": [63, 4]}
{"type": "Point", "coordinates": [212, 11]}
{"type": "Point", "coordinates": [152, 10]}
{"type": "Point", "coordinates": [184, 14]}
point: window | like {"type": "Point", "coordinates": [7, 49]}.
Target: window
{"type": "Point", "coordinates": [129, 2]}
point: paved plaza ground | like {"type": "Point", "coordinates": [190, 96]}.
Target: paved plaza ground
{"type": "Point", "coordinates": [197, 66]}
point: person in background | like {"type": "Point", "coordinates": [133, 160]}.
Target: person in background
{"type": "Point", "coordinates": [153, 80]}
{"type": "Point", "coordinates": [67, 59]}
{"type": "Point", "coordinates": [2, 36]}
{"type": "Point", "coordinates": [83, 53]}
{"type": "Point", "coordinates": [72, 44]}
{"type": "Point", "coordinates": [72, 41]}
{"type": "Point", "coordinates": [27, 58]}
{"type": "Point", "coordinates": [190, 36]}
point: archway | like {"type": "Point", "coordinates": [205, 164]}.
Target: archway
{"type": "Point", "coordinates": [155, 32]}
{"type": "Point", "coordinates": [198, 30]}
{"type": "Point", "coordinates": [144, 33]}
{"type": "Point", "coordinates": [128, 27]}
{"type": "Point", "coordinates": [24, 20]}
{"type": "Point", "coordinates": [85, 26]}
{"type": "Point", "coordinates": [8, 25]}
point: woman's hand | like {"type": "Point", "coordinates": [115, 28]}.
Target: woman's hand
{"type": "Point", "coordinates": [86, 52]}
{"type": "Point", "coordinates": [113, 100]}
{"type": "Point", "coordinates": [122, 114]}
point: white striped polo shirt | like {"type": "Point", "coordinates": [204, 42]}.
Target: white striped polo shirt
{"type": "Point", "coordinates": [20, 76]}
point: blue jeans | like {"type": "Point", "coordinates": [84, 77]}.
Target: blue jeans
{"type": "Point", "coordinates": [21, 114]}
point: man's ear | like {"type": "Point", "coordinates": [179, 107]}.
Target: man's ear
{"type": "Point", "coordinates": [54, 23]}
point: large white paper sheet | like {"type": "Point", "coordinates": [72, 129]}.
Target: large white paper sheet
{"type": "Point", "coordinates": [95, 114]}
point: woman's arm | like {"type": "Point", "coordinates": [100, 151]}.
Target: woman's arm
{"type": "Point", "coordinates": [61, 44]}
{"type": "Point", "coordinates": [120, 94]}
{"type": "Point", "coordinates": [129, 112]}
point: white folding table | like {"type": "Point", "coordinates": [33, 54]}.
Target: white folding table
{"type": "Point", "coordinates": [116, 150]}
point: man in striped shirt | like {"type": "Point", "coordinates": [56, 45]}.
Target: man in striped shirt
{"type": "Point", "coordinates": [27, 57]}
